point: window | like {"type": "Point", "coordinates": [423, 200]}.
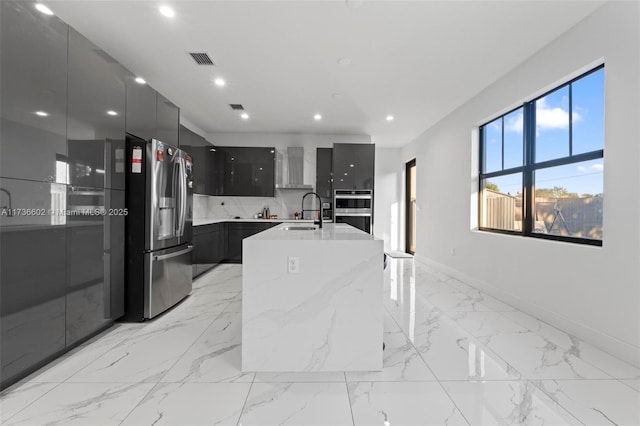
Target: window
{"type": "Point", "coordinates": [541, 165]}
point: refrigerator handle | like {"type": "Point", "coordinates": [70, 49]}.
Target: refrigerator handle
{"type": "Point", "coordinates": [182, 179]}
{"type": "Point", "coordinates": [174, 254]}
{"type": "Point", "coordinates": [176, 182]}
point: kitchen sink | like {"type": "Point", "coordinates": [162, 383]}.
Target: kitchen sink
{"type": "Point", "coordinates": [299, 228]}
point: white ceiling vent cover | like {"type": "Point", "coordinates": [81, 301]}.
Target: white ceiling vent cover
{"type": "Point", "coordinates": [201, 58]}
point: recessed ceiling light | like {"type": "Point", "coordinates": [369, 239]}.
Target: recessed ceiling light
{"type": "Point", "coordinates": [344, 61]}
{"type": "Point", "coordinates": [260, 168]}
{"type": "Point", "coordinates": [167, 11]}
{"type": "Point", "coordinates": [44, 9]}
{"type": "Point", "coordinates": [272, 151]}
{"type": "Point", "coordinates": [212, 149]}
{"type": "Point", "coordinates": [346, 174]}
{"type": "Point", "coordinates": [140, 80]}
{"type": "Point", "coordinates": [219, 81]}
{"type": "Point", "coordinates": [42, 113]}
{"type": "Point", "coordinates": [351, 165]}
{"type": "Point", "coordinates": [390, 117]}
{"type": "Point", "coordinates": [244, 116]}
{"type": "Point", "coordinates": [317, 117]}
{"type": "Point", "coordinates": [111, 112]}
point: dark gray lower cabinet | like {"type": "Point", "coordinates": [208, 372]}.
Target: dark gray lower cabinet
{"type": "Point", "coordinates": [32, 277]}
{"type": "Point", "coordinates": [222, 243]}
{"type": "Point", "coordinates": [61, 276]}
{"type": "Point", "coordinates": [235, 234]}
{"type": "Point", "coordinates": [114, 261]}
{"type": "Point", "coordinates": [95, 264]}
{"type": "Point", "coordinates": [85, 311]}
{"type": "Point", "coordinates": [196, 242]}
{"type": "Point", "coordinates": [237, 231]}
{"type": "Point", "coordinates": [209, 246]}
{"type": "Point", "coordinates": [32, 297]}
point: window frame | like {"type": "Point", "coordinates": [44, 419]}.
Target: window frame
{"type": "Point", "coordinates": [529, 166]}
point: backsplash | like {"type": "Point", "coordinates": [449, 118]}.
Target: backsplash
{"type": "Point", "coordinates": [284, 205]}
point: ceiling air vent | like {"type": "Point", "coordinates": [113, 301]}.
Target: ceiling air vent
{"type": "Point", "coordinates": [237, 107]}
{"type": "Point", "coordinates": [201, 58]}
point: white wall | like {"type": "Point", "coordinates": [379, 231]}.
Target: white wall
{"type": "Point", "coordinates": [592, 292]}
{"type": "Point", "coordinates": [286, 201]}
{"type": "Point", "coordinates": [388, 198]}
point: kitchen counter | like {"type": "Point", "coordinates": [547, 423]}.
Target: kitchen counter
{"type": "Point", "coordinates": [199, 222]}
{"type": "Point", "coordinates": [45, 226]}
{"type": "Point", "coordinates": [312, 300]}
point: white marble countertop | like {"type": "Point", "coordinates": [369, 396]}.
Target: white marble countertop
{"type": "Point", "coordinates": [329, 231]}
{"type": "Point", "coordinates": [199, 222]}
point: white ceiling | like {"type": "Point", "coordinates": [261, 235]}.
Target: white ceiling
{"type": "Point", "coordinates": [417, 60]}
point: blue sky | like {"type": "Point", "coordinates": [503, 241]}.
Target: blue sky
{"type": "Point", "coordinates": [552, 138]}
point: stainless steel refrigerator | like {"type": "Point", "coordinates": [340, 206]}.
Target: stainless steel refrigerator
{"type": "Point", "coordinates": [159, 196]}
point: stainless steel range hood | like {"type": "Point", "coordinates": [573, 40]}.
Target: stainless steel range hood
{"type": "Point", "coordinates": [292, 175]}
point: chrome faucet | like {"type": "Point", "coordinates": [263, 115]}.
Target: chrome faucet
{"type": "Point", "coordinates": [319, 210]}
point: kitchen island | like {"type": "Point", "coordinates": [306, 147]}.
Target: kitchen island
{"type": "Point", "coordinates": [312, 300]}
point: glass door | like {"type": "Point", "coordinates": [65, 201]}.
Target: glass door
{"type": "Point", "coordinates": [410, 208]}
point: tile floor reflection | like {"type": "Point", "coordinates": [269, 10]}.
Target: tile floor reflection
{"type": "Point", "coordinates": [453, 356]}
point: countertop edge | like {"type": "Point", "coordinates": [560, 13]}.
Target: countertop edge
{"type": "Point", "coordinates": [200, 222]}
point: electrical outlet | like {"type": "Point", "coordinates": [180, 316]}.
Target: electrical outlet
{"type": "Point", "coordinates": [293, 263]}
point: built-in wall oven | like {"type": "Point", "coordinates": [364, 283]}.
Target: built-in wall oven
{"type": "Point", "coordinates": [354, 207]}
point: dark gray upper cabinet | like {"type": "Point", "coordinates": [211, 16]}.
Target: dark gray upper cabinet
{"type": "Point", "coordinates": [141, 110]}
{"type": "Point", "coordinates": [230, 170]}
{"type": "Point", "coordinates": [150, 115]}
{"type": "Point", "coordinates": [184, 138]}
{"type": "Point", "coordinates": [200, 152]}
{"type": "Point", "coordinates": [216, 171]}
{"type": "Point", "coordinates": [96, 116]}
{"type": "Point", "coordinates": [247, 171]}
{"type": "Point", "coordinates": [168, 119]}
{"type": "Point", "coordinates": [204, 158]}
{"type": "Point", "coordinates": [33, 92]}
{"type": "Point", "coordinates": [324, 186]}
{"type": "Point", "coordinates": [353, 166]}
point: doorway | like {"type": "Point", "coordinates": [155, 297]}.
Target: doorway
{"type": "Point", "coordinates": [410, 207]}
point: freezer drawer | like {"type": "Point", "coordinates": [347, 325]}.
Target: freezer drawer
{"type": "Point", "coordinates": [168, 279]}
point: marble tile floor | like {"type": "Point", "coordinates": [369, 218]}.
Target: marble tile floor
{"type": "Point", "coordinates": [453, 356]}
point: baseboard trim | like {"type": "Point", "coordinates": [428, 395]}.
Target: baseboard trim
{"type": "Point", "coordinates": [606, 342]}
